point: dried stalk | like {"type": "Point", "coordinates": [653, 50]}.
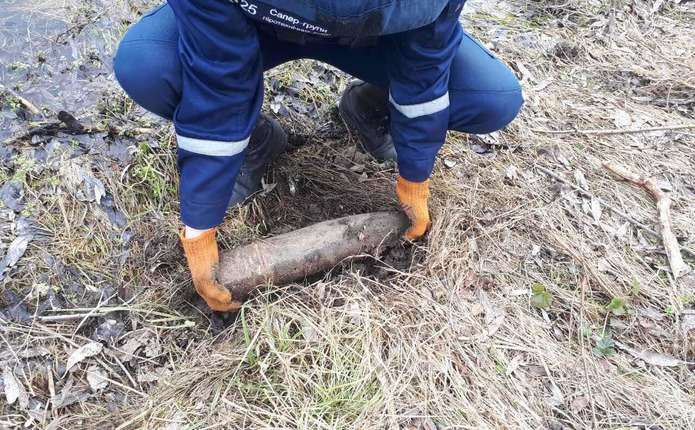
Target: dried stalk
{"type": "Point", "coordinates": [663, 204]}
{"type": "Point", "coordinates": [605, 204]}
{"type": "Point", "coordinates": [608, 131]}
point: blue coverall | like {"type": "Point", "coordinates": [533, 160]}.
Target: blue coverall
{"type": "Point", "coordinates": [201, 62]}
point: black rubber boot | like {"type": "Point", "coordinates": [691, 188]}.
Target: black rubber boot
{"type": "Point", "coordinates": [365, 110]}
{"type": "Point", "coordinates": [267, 142]}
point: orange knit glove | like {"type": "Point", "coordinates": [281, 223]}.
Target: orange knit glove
{"type": "Point", "coordinates": [414, 197]}
{"type": "Point", "coordinates": [203, 258]}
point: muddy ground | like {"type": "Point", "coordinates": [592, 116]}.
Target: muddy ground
{"type": "Point", "coordinates": [541, 298]}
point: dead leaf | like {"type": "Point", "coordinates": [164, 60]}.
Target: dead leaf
{"type": "Point", "coordinates": [97, 378]}
{"type": "Point", "coordinates": [650, 313]}
{"type": "Point", "coordinates": [85, 351]}
{"type": "Point", "coordinates": [536, 370]}
{"type": "Point", "coordinates": [511, 173]}
{"type": "Point", "coordinates": [354, 311]}
{"type": "Point", "coordinates": [526, 75]}
{"type": "Point", "coordinates": [127, 351]}
{"type": "Point", "coordinates": [473, 245]}
{"type": "Point", "coordinates": [688, 322]}
{"type": "Point", "coordinates": [595, 210]}
{"type": "Point", "coordinates": [94, 187]}
{"type": "Point", "coordinates": [542, 85]}
{"type": "Point", "coordinates": [309, 332]}
{"type": "Point", "coordinates": [292, 183]}
{"type": "Point", "coordinates": [494, 316]}
{"type": "Point", "coordinates": [664, 185]}
{"type": "Point", "coordinates": [14, 390]}
{"type": "Point", "coordinates": [421, 423]}
{"type": "Point", "coordinates": [514, 364]}
{"type": "Point", "coordinates": [579, 403]}
{"type": "Point", "coordinates": [657, 5]}
{"type": "Point", "coordinates": [69, 396]}
{"type": "Point", "coordinates": [12, 195]}
{"type": "Point", "coordinates": [580, 179]}
{"type": "Point", "coordinates": [476, 309]}
{"type": "Point", "coordinates": [622, 230]}
{"type": "Point", "coordinates": [15, 251]}
{"type": "Point", "coordinates": [604, 265]}
{"type": "Point", "coordinates": [153, 348]}
{"type": "Point", "coordinates": [562, 159]}
{"type": "Point", "coordinates": [267, 187]}
{"type": "Point", "coordinates": [659, 359]}
{"type": "Point", "coordinates": [557, 398]}
{"type": "Point", "coordinates": [357, 168]}
{"type": "Point", "coordinates": [79, 180]}
{"type": "Point", "coordinates": [109, 331]}
{"type": "Point", "coordinates": [586, 207]}
{"type": "Point", "coordinates": [37, 351]}
{"type": "Point", "coordinates": [153, 375]}
{"type": "Point", "coordinates": [622, 119]}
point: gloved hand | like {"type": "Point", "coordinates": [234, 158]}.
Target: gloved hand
{"type": "Point", "coordinates": [203, 258]}
{"type": "Point", "coordinates": [413, 197]}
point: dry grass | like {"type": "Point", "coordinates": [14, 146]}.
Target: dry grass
{"type": "Point", "coordinates": [454, 341]}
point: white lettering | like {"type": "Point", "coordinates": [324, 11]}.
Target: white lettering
{"type": "Point", "coordinates": [314, 28]}
{"type": "Point", "coordinates": [245, 5]}
{"type": "Point", "coordinates": [288, 18]}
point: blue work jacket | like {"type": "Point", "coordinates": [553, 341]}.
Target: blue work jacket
{"type": "Point", "coordinates": [223, 81]}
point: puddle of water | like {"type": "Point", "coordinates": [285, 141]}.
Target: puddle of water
{"type": "Point", "coordinates": [58, 54]}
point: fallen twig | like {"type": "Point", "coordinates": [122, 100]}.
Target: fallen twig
{"type": "Point", "coordinates": [584, 284]}
{"type": "Point", "coordinates": [68, 124]}
{"type": "Point", "coordinates": [606, 131]}
{"type": "Point", "coordinates": [613, 209]}
{"type": "Point", "coordinates": [58, 318]}
{"type": "Point", "coordinates": [63, 37]}
{"type": "Point", "coordinates": [26, 103]}
{"type": "Point", "coordinates": [51, 128]}
{"type": "Point", "coordinates": [663, 203]}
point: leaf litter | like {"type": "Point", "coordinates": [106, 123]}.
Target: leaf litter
{"type": "Point", "coordinates": [14, 390]}
{"type": "Point", "coordinates": [422, 344]}
{"type": "Point", "coordinates": [85, 351]}
{"type": "Point", "coordinates": [97, 378]}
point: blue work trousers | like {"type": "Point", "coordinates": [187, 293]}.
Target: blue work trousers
{"type": "Point", "coordinates": [484, 94]}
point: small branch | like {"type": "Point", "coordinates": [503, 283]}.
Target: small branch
{"type": "Point", "coordinates": [70, 317]}
{"type": "Point", "coordinates": [663, 204]}
{"type": "Point", "coordinates": [69, 125]}
{"type": "Point", "coordinates": [51, 128]}
{"type": "Point", "coordinates": [26, 103]}
{"type": "Point", "coordinates": [608, 131]}
{"type": "Point", "coordinates": [584, 284]}
{"type": "Point", "coordinates": [123, 368]}
{"type": "Point", "coordinates": [73, 31]}
{"type": "Point", "coordinates": [613, 209]}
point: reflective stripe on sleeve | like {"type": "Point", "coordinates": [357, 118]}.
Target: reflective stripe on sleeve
{"type": "Point", "coordinates": [215, 148]}
{"type": "Point", "coordinates": [422, 109]}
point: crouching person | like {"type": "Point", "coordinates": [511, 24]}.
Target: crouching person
{"type": "Point", "coordinates": [200, 63]}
